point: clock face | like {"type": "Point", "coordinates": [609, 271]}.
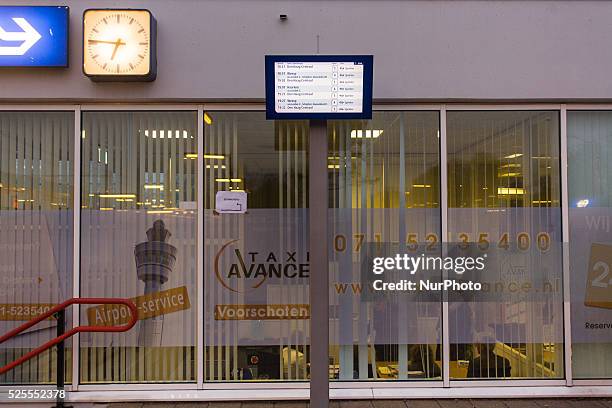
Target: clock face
{"type": "Point", "coordinates": [117, 42]}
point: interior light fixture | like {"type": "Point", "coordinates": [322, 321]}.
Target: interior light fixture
{"type": "Point", "coordinates": [207, 119]}
{"type": "Point", "coordinates": [117, 195]}
{"type": "Point", "coordinates": [153, 186]}
{"type": "Point", "coordinates": [513, 156]}
{"type": "Point", "coordinates": [421, 185]}
{"type": "Point", "coordinates": [194, 156]}
{"type": "Point", "coordinates": [366, 134]}
{"type": "Point", "coordinates": [228, 180]}
{"type": "Point", "coordinates": [510, 191]}
{"type": "Point", "coordinates": [340, 158]}
{"type": "Point", "coordinates": [582, 203]}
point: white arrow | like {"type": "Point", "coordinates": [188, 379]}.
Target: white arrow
{"type": "Point", "coordinates": [29, 36]}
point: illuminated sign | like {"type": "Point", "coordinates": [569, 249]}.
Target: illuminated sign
{"type": "Point", "coordinates": [35, 36]}
{"type": "Point", "coordinates": [319, 87]}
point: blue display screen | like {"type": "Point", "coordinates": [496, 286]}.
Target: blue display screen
{"type": "Point", "coordinates": [319, 86]}
{"type": "Point", "coordinates": [33, 36]}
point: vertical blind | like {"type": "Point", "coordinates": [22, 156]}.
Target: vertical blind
{"type": "Point", "coordinates": [589, 140]}
{"type": "Point", "coordinates": [384, 183]}
{"type": "Point", "coordinates": [504, 190]}
{"type": "Point", "coordinates": [36, 151]}
{"type": "Point", "coordinates": [268, 160]}
{"type": "Point", "coordinates": [138, 174]}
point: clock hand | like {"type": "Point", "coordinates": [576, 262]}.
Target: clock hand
{"type": "Point", "coordinates": [105, 42]}
{"type": "Point", "coordinates": [117, 44]}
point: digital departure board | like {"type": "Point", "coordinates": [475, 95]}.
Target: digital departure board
{"type": "Point", "coordinates": [319, 86]}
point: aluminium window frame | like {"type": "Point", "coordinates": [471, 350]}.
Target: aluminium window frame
{"type": "Point", "coordinates": [353, 389]}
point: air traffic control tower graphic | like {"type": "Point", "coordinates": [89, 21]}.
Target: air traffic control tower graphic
{"type": "Point", "coordinates": [155, 259]}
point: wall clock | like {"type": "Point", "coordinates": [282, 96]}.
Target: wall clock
{"type": "Point", "coordinates": [119, 45]}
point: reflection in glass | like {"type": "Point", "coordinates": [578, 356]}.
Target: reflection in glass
{"type": "Point", "coordinates": [36, 228]}
{"type": "Point", "coordinates": [138, 241]}
{"type": "Point", "coordinates": [384, 188]}
{"type": "Point", "coordinates": [504, 195]}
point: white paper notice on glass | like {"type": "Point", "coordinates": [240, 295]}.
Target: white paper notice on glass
{"type": "Point", "coordinates": [231, 202]}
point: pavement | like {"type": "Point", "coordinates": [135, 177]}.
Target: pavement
{"type": "Point", "coordinates": [441, 403]}
{"type": "Point", "coordinates": [421, 403]}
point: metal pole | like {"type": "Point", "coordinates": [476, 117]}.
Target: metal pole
{"type": "Point", "coordinates": [61, 358]}
{"type": "Point", "coordinates": [319, 280]}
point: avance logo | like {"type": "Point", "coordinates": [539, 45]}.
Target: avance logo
{"type": "Point", "coordinates": [248, 270]}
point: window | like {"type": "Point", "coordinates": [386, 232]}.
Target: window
{"type": "Point", "coordinates": [36, 221]}
{"type": "Point", "coordinates": [384, 179]}
{"type": "Point", "coordinates": [138, 241]}
{"type": "Point", "coordinates": [589, 140]}
{"type": "Point", "coordinates": [256, 264]}
{"type": "Point", "coordinates": [504, 197]}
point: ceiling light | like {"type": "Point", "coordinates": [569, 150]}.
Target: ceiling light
{"type": "Point", "coordinates": [367, 134]}
{"type": "Point", "coordinates": [117, 195]}
{"type": "Point", "coordinates": [207, 119]}
{"type": "Point", "coordinates": [582, 203]}
{"type": "Point", "coordinates": [510, 191]}
{"type": "Point", "coordinates": [194, 156]}
{"type": "Point", "coordinates": [337, 158]}
{"type": "Point", "coordinates": [227, 180]}
{"type": "Point", "coordinates": [153, 186]}
{"type": "Point", "coordinates": [513, 156]}
{"type": "Point", "coordinates": [421, 185]}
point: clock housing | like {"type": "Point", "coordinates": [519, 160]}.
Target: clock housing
{"type": "Point", "coordinates": [119, 45]}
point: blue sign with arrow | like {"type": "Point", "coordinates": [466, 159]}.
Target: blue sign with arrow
{"type": "Point", "coordinates": [33, 36]}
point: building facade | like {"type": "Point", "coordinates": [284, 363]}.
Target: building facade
{"type": "Point", "coordinates": [492, 125]}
